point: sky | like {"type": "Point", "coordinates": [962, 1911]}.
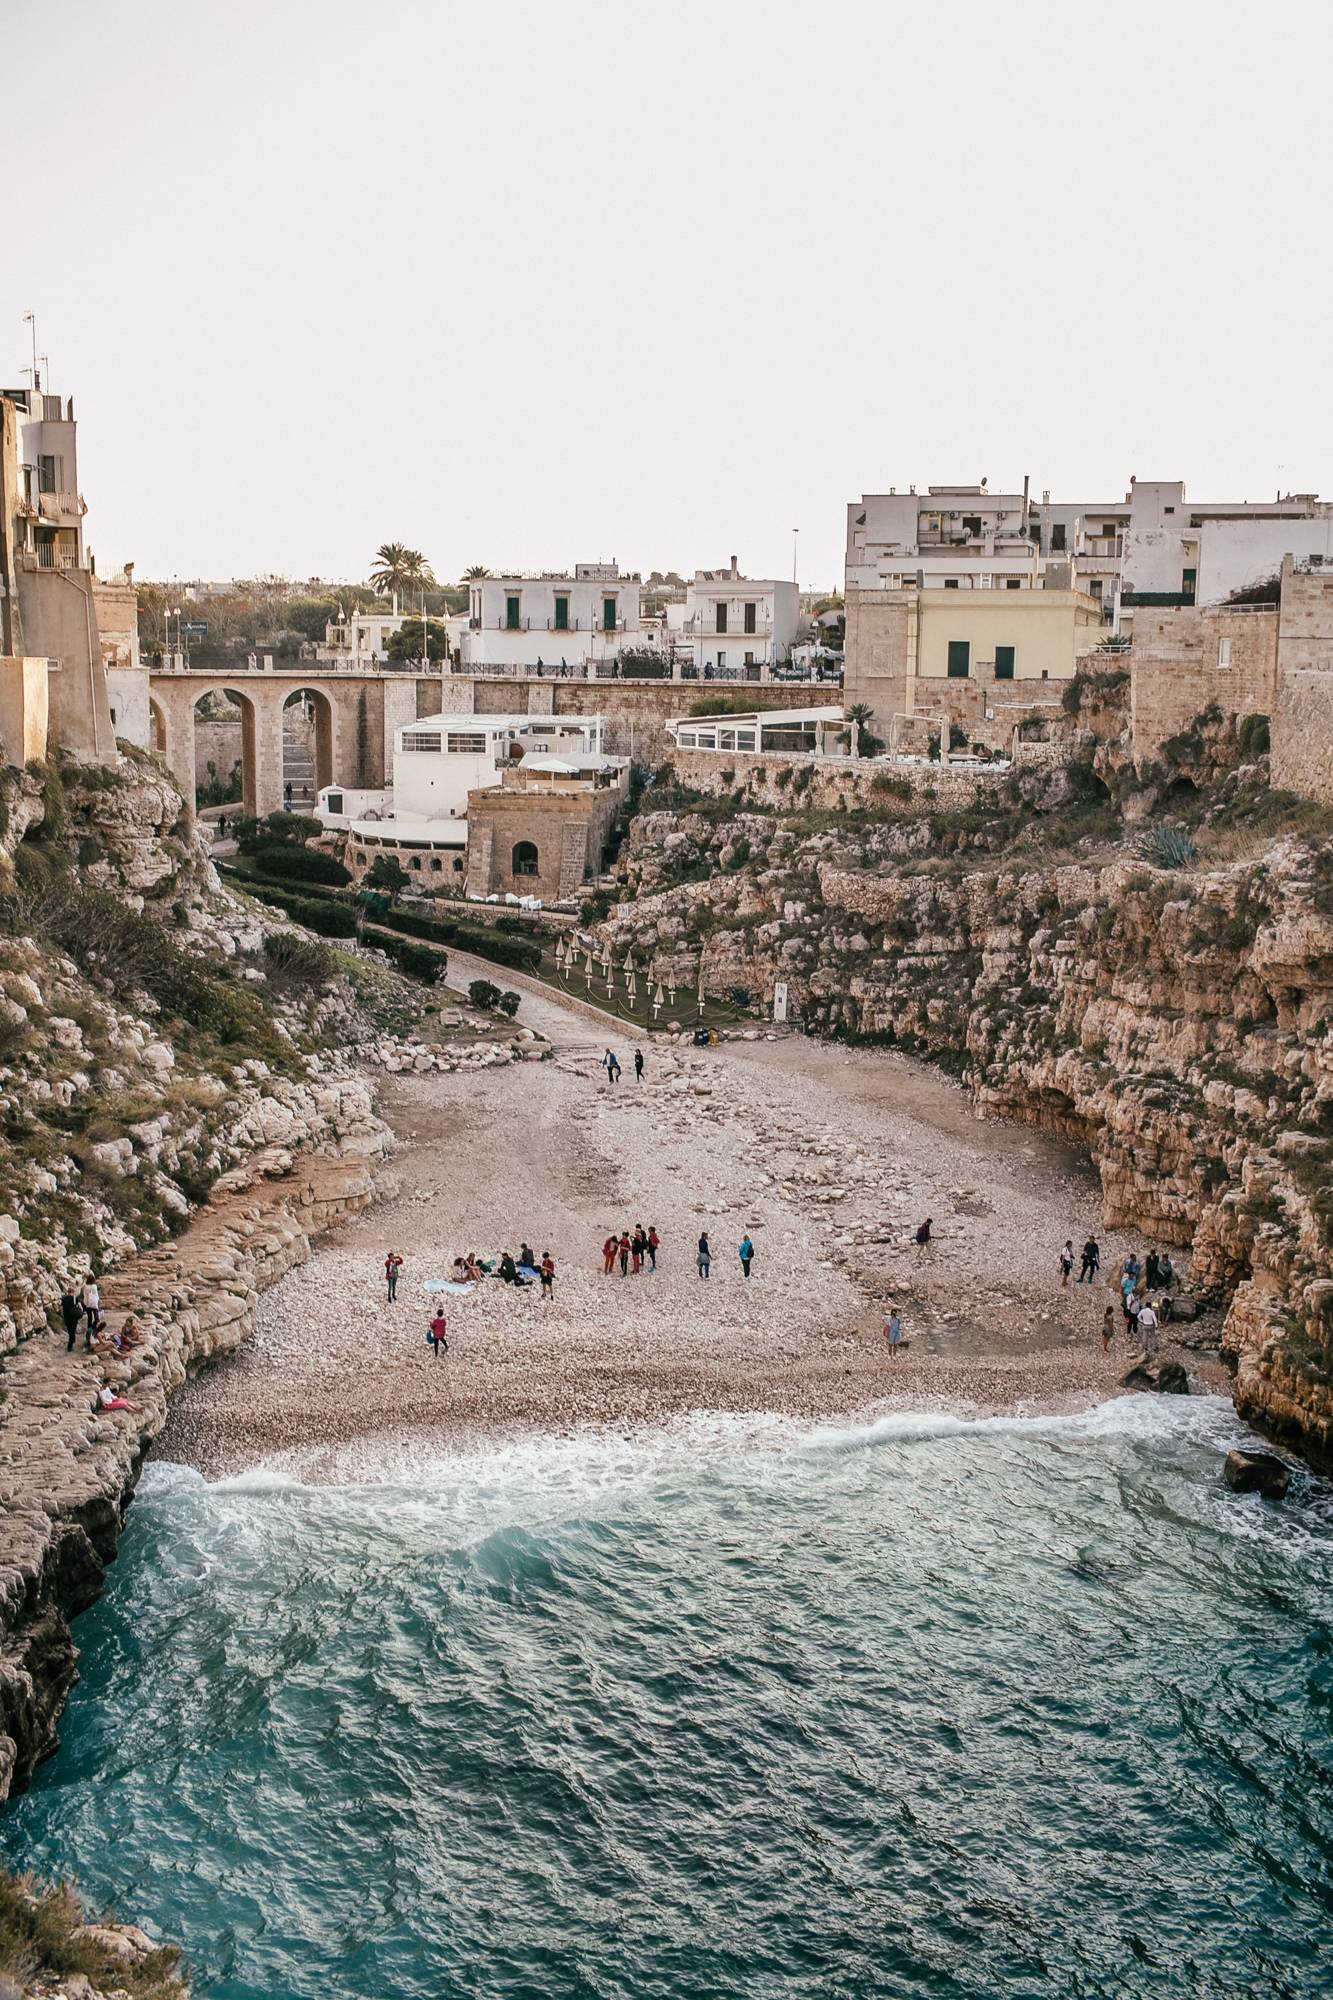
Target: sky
{"type": "Point", "coordinates": [526, 285]}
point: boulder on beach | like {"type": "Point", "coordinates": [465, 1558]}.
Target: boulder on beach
{"type": "Point", "coordinates": [1256, 1472]}
{"type": "Point", "coordinates": [1164, 1378]}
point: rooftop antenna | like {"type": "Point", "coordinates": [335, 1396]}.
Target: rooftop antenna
{"type": "Point", "coordinates": [30, 319]}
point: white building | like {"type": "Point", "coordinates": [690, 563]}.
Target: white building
{"type": "Point", "coordinates": [361, 641]}
{"type": "Point", "coordinates": [525, 621]}
{"type": "Point", "coordinates": [439, 759]}
{"type": "Point", "coordinates": [731, 622]}
{"type": "Point", "coordinates": [1153, 545]}
{"type": "Point", "coordinates": [813, 731]}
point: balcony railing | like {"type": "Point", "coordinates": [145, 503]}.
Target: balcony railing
{"type": "Point", "coordinates": [54, 506]}
{"type": "Point", "coordinates": [47, 555]}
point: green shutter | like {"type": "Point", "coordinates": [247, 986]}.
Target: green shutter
{"type": "Point", "coordinates": [1004, 663]}
{"type": "Point", "coordinates": [960, 659]}
{"type": "Point", "coordinates": [609, 614]}
{"type": "Point", "coordinates": [511, 614]}
{"type": "Point", "coordinates": [562, 614]}
{"type": "Point", "coordinates": [1188, 583]}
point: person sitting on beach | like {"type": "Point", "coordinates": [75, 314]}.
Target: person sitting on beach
{"type": "Point", "coordinates": [107, 1399]}
{"type": "Point", "coordinates": [476, 1270]}
{"type": "Point", "coordinates": [130, 1335]}
{"type": "Point", "coordinates": [526, 1260]}
{"type": "Point", "coordinates": [509, 1271]}
{"type": "Point", "coordinates": [923, 1233]}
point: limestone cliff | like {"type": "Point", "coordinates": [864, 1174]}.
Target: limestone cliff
{"type": "Point", "coordinates": [1173, 1020]}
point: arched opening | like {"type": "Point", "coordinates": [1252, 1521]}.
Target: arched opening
{"type": "Point", "coordinates": [307, 748]}
{"type": "Point", "coordinates": [157, 728]}
{"type": "Point", "coordinates": [524, 859]}
{"type": "Point", "coordinates": [1180, 792]}
{"type": "Point", "coordinates": [224, 750]}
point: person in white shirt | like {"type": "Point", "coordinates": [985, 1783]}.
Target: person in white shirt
{"type": "Point", "coordinates": [1147, 1322]}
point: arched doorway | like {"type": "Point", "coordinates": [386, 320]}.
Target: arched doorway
{"type": "Point", "coordinates": [307, 747]}
{"type": "Point", "coordinates": [525, 859]}
{"type": "Point", "coordinates": [224, 750]}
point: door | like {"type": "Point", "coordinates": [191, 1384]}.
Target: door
{"type": "Point", "coordinates": [1004, 663]}
{"type": "Point", "coordinates": [960, 659]}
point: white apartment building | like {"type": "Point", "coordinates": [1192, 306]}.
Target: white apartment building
{"type": "Point", "coordinates": [1153, 546]}
{"type": "Point", "coordinates": [729, 622]}
{"type": "Point", "coordinates": [439, 759]}
{"type": "Point", "coordinates": [551, 619]}
{"type": "Point", "coordinates": [360, 641]}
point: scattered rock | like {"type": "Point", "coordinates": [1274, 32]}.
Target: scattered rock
{"type": "Point", "coordinates": [1164, 1378]}
{"type": "Point", "coordinates": [1256, 1472]}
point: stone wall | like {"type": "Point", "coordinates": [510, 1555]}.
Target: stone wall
{"type": "Point", "coordinates": [814, 784]}
{"type": "Point", "coordinates": [1302, 735]}
{"type": "Point", "coordinates": [1305, 620]}
{"type": "Point", "coordinates": [1176, 670]}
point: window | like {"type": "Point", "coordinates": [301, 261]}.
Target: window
{"type": "Point", "coordinates": [722, 659]}
{"type": "Point", "coordinates": [415, 862]}
{"type": "Point", "coordinates": [1108, 528]}
{"type": "Point", "coordinates": [511, 615]}
{"type": "Point", "coordinates": [464, 745]}
{"type": "Point", "coordinates": [608, 614]}
{"type": "Point", "coordinates": [1224, 652]}
{"type": "Point", "coordinates": [423, 739]}
{"type": "Point", "coordinates": [458, 864]}
{"type": "Point", "coordinates": [1004, 663]}
{"type": "Point", "coordinates": [972, 524]}
{"type": "Point", "coordinates": [436, 864]}
{"type": "Point", "coordinates": [951, 583]}
{"type": "Point", "coordinates": [749, 659]}
{"type": "Point", "coordinates": [721, 618]}
{"type": "Point", "coordinates": [1095, 587]}
{"type": "Point", "coordinates": [562, 614]}
{"type": "Point", "coordinates": [1013, 583]}
{"type": "Point", "coordinates": [960, 659]}
{"type": "Point", "coordinates": [46, 474]}
{"type": "Point", "coordinates": [335, 802]}
{"type": "Point", "coordinates": [1168, 510]}
{"type": "Point", "coordinates": [751, 616]}
{"type": "Point", "coordinates": [1058, 535]}
{"type": "Point", "coordinates": [1188, 581]}
{"type": "Point", "coordinates": [524, 859]}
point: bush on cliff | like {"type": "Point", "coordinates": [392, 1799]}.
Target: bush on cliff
{"type": "Point", "coordinates": [288, 861]}
{"type": "Point", "coordinates": [428, 966]}
{"type": "Point", "coordinates": [323, 914]}
{"type": "Point", "coordinates": [297, 962]}
{"type": "Point", "coordinates": [43, 1933]}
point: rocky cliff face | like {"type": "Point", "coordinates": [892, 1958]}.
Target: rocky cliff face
{"type": "Point", "coordinates": [1175, 1021]}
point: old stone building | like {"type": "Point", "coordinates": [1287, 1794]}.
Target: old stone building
{"type": "Point", "coordinates": [543, 832]}
{"type": "Point", "coordinates": [1186, 660]}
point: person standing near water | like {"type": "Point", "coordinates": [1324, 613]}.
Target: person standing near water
{"type": "Point", "coordinates": [393, 1264]}
{"type": "Point", "coordinates": [893, 1331]}
{"type": "Point", "coordinates": [705, 1255]}
{"type": "Point", "coordinates": [745, 1251]}
{"type": "Point", "coordinates": [1066, 1262]}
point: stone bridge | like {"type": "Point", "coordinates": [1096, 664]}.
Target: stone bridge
{"type": "Point", "coordinates": [355, 716]}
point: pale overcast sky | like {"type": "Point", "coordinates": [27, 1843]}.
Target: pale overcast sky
{"type": "Point", "coordinates": [525, 285]}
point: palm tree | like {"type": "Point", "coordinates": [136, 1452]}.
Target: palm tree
{"type": "Point", "coordinates": [476, 573]}
{"type": "Point", "coordinates": [400, 569]}
{"type": "Point", "coordinates": [859, 715]}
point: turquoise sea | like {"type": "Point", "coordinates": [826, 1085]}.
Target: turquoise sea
{"type": "Point", "coordinates": [1016, 1707]}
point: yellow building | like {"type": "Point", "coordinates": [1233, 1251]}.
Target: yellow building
{"type": "Point", "coordinates": [977, 655]}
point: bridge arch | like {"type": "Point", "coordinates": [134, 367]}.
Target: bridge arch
{"type": "Point", "coordinates": [307, 766]}
{"type": "Point", "coordinates": [248, 745]}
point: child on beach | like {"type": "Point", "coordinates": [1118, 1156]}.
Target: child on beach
{"type": "Point", "coordinates": [548, 1275]}
{"type": "Point", "coordinates": [393, 1264]}
{"type": "Point", "coordinates": [654, 1245]}
{"type": "Point", "coordinates": [893, 1331]}
{"type": "Point", "coordinates": [435, 1335]}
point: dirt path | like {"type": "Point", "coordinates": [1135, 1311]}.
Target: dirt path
{"type": "Point", "coordinates": [828, 1159]}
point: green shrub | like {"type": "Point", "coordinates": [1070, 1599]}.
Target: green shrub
{"type": "Point", "coordinates": [428, 966]}
{"type": "Point", "coordinates": [329, 918]}
{"type": "Point", "coordinates": [508, 1003]}
{"type": "Point", "coordinates": [483, 994]}
{"type": "Point", "coordinates": [291, 862]}
{"type": "Point", "coordinates": [521, 954]}
{"type": "Point", "coordinates": [1254, 736]}
{"type": "Point", "coordinates": [297, 961]}
{"type": "Point", "coordinates": [288, 829]}
{"type": "Point", "coordinates": [1167, 847]}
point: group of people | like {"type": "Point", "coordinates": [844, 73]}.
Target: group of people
{"type": "Point", "coordinates": [630, 1252]}
{"type": "Point", "coordinates": [744, 1250]}
{"type": "Point", "coordinates": [81, 1306]}
{"type": "Point", "coordinates": [611, 1064]}
{"type": "Point", "coordinates": [1138, 1281]}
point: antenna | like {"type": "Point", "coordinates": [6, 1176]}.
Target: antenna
{"type": "Point", "coordinates": [30, 319]}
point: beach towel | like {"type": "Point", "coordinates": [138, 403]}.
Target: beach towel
{"type": "Point", "coordinates": [444, 1285]}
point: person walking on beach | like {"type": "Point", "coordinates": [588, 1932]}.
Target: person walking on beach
{"type": "Point", "coordinates": [654, 1245]}
{"type": "Point", "coordinates": [71, 1312]}
{"type": "Point", "coordinates": [745, 1251]}
{"type": "Point", "coordinates": [1066, 1262]}
{"type": "Point", "coordinates": [91, 1300]}
{"type": "Point", "coordinates": [624, 1253]}
{"type": "Point", "coordinates": [705, 1255]}
{"type": "Point", "coordinates": [1108, 1329]}
{"type": "Point", "coordinates": [611, 1066]}
{"type": "Point", "coordinates": [893, 1331]}
{"type": "Point", "coordinates": [638, 1065]}
{"type": "Point", "coordinates": [435, 1336]}
{"type": "Point", "coordinates": [1092, 1261]}
{"type": "Point", "coordinates": [609, 1248]}
{"type": "Point", "coordinates": [393, 1264]}
{"type": "Point", "coordinates": [547, 1270]}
